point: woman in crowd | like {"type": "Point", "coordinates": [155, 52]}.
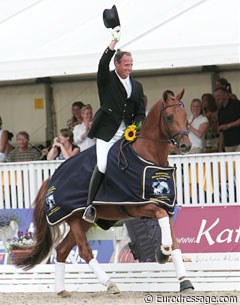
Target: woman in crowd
{"type": "Point", "coordinates": [80, 131]}
{"type": "Point", "coordinates": [197, 126]}
{"type": "Point", "coordinates": [63, 147]}
{"type": "Point", "coordinates": [76, 115]}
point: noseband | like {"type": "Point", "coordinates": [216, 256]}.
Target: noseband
{"type": "Point", "coordinates": [172, 137]}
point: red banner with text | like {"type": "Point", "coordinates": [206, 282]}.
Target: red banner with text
{"type": "Point", "coordinates": [208, 229]}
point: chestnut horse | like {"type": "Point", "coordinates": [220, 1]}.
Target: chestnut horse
{"type": "Point", "coordinates": [165, 123]}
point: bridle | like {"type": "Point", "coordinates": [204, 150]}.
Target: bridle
{"type": "Point", "coordinates": [123, 164]}
{"type": "Point", "coordinates": [171, 138]}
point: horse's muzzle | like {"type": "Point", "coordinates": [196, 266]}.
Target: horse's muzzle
{"type": "Point", "coordinates": [184, 147]}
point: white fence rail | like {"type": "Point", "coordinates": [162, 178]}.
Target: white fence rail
{"type": "Point", "coordinates": [128, 277]}
{"type": "Point", "coordinates": [212, 179]}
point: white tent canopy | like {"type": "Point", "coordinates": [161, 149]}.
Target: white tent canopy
{"type": "Point", "coordinates": [50, 38]}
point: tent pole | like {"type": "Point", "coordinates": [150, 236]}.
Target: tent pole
{"type": "Point", "coordinates": [51, 128]}
{"type": "Point", "coordinates": [214, 77]}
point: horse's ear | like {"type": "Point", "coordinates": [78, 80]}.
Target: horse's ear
{"type": "Point", "coordinates": [180, 95]}
{"type": "Point", "coordinates": [165, 96]}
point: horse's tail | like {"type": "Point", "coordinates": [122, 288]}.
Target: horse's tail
{"type": "Point", "coordinates": [42, 232]}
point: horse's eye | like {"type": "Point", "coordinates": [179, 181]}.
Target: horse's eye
{"type": "Point", "coordinates": [169, 118]}
{"type": "Point", "coordinates": [181, 104]}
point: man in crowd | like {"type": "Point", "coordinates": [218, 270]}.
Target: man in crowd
{"type": "Point", "coordinates": [228, 120]}
{"type": "Point", "coordinates": [24, 151]}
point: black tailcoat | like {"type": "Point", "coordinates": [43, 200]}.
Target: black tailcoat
{"type": "Point", "coordinates": [114, 104]}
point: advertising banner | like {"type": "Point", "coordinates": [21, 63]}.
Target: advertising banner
{"type": "Point", "coordinates": [208, 229]}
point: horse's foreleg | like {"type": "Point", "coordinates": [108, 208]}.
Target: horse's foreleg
{"type": "Point", "coordinates": [164, 251]}
{"type": "Point", "coordinates": [185, 284]}
{"type": "Point", "coordinates": [78, 228]}
{"type": "Point", "coordinates": [162, 255]}
{"type": "Point", "coordinates": [166, 236]}
{"type": "Point", "coordinates": [177, 255]}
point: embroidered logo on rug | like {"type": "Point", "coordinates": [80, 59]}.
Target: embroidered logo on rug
{"type": "Point", "coordinates": [51, 206]}
{"type": "Point", "coordinates": [159, 184]}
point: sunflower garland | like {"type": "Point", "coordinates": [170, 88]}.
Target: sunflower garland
{"type": "Point", "coordinates": [131, 132]}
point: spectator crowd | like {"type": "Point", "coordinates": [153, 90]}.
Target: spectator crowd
{"type": "Point", "coordinates": [72, 139]}
{"type": "Point", "coordinates": [213, 125]}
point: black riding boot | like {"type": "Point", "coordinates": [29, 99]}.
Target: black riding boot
{"type": "Point", "coordinates": [95, 182]}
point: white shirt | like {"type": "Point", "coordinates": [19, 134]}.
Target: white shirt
{"type": "Point", "coordinates": [196, 141]}
{"type": "Point", "coordinates": [78, 130]}
{"type": "Point", "coordinates": [127, 84]}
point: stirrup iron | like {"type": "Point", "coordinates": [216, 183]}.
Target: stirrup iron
{"type": "Point", "coordinates": [89, 214]}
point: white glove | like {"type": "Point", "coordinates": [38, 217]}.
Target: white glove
{"type": "Point", "coordinates": [116, 33]}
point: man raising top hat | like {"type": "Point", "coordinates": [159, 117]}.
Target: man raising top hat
{"type": "Point", "coordinates": [121, 104]}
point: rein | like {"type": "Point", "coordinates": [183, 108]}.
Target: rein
{"type": "Point", "coordinates": [155, 140]}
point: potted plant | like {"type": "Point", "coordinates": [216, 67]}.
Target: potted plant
{"type": "Point", "coordinates": [21, 246]}
{"type": "Point", "coordinates": [9, 225]}
{"type": "Point", "coordinates": [6, 218]}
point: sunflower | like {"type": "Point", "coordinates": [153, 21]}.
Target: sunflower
{"type": "Point", "coordinates": [130, 134]}
{"type": "Point", "coordinates": [132, 127]}
{"type": "Point", "coordinates": [132, 131]}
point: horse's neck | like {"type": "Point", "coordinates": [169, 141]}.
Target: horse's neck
{"type": "Point", "coordinates": [151, 150]}
{"type": "Point", "coordinates": [157, 154]}
{"type": "Point", "coordinates": [151, 144]}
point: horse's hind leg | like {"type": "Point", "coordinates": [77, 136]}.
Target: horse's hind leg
{"type": "Point", "coordinates": [63, 250]}
{"type": "Point", "coordinates": [78, 228]}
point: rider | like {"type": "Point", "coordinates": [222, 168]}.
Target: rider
{"type": "Point", "coordinates": [121, 104]}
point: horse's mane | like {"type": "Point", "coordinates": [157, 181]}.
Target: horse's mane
{"type": "Point", "coordinates": [155, 107]}
{"type": "Point", "coordinates": [152, 115]}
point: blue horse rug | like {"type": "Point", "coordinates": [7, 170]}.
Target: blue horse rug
{"type": "Point", "coordinates": [129, 180]}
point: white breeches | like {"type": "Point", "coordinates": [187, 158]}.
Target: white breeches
{"type": "Point", "coordinates": [102, 148]}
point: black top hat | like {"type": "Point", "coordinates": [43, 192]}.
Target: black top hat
{"type": "Point", "coordinates": [110, 17]}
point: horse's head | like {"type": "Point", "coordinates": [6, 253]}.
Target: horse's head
{"type": "Point", "coordinates": [173, 121]}
{"type": "Point", "coordinates": [165, 123]}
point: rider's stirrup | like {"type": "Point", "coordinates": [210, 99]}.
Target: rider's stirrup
{"type": "Point", "coordinates": [89, 214]}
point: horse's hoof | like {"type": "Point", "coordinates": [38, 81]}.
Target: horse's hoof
{"type": "Point", "coordinates": [186, 286]}
{"type": "Point", "coordinates": [64, 294]}
{"type": "Point", "coordinates": [112, 288]}
{"type": "Point", "coordinates": [162, 255]}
